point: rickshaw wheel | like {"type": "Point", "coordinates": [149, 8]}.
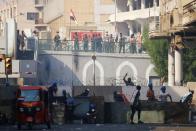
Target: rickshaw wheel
{"type": "Point", "coordinates": [19, 126]}
{"type": "Point", "coordinates": [48, 125]}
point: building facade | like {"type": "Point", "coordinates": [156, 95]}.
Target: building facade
{"type": "Point", "coordinates": [90, 15]}
{"type": "Point", "coordinates": [27, 13]}
{"type": "Point", "coordinates": [133, 15]}
{"type": "Point", "coordinates": [177, 25]}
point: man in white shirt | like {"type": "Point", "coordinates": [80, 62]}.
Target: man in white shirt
{"type": "Point", "coordinates": [164, 95]}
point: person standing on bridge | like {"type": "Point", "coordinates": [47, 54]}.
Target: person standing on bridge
{"type": "Point", "coordinates": [139, 42]}
{"type": "Point", "coordinates": [57, 40]}
{"type": "Point", "coordinates": [23, 37]}
{"type": "Point", "coordinates": [76, 42]}
{"type": "Point", "coordinates": [132, 46]}
{"type": "Point", "coordinates": [18, 35]}
{"type": "Point", "coordinates": [121, 43]}
{"type": "Point", "coordinates": [99, 43]}
{"type": "Point", "coordinates": [85, 42]}
{"type": "Point", "coordinates": [111, 44]}
{"type": "Point", "coordinates": [128, 82]}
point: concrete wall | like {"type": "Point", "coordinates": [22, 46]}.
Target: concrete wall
{"type": "Point", "coordinates": [23, 7]}
{"type": "Point", "coordinates": [67, 67]}
{"type": "Point", "coordinates": [54, 9]}
{"type": "Point", "coordinates": [18, 9]}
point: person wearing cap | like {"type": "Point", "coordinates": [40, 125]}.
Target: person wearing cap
{"type": "Point", "coordinates": [136, 105]}
{"type": "Point", "coordinates": [164, 95]}
{"type": "Point", "coordinates": [150, 93]}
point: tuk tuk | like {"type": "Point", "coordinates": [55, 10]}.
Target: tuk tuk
{"type": "Point", "coordinates": [32, 106]}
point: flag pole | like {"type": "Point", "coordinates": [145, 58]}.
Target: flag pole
{"type": "Point", "coordinates": [70, 28]}
{"type": "Point", "coordinates": [115, 18]}
{"type": "Point", "coordinates": [71, 52]}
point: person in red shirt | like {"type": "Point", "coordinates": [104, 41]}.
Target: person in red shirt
{"type": "Point", "coordinates": [150, 93]}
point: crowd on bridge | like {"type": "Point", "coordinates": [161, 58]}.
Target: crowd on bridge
{"type": "Point", "coordinates": [108, 43]}
{"type": "Point", "coordinates": [86, 42]}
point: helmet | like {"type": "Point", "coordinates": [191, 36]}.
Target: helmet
{"type": "Point", "coordinates": [163, 88]}
{"type": "Point", "coordinates": [150, 85]}
{"type": "Point", "coordinates": [138, 87]}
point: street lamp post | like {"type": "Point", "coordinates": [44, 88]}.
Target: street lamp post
{"type": "Point", "coordinates": [115, 17]}
{"type": "Point", "coordinates": [94, 58]}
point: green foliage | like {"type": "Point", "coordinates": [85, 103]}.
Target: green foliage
{"type": "Point", "coordinates": [189, 64]}
{"type": "Point", "coordinates": [158, 51]}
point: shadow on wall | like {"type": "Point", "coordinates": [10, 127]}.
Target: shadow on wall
{"type": "Point", "coordinates": [52, 70]}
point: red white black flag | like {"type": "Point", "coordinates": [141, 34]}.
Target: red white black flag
{"type": "Point", "coordinates": [72, 16]}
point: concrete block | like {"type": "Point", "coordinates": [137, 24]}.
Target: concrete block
{"type": "Point", "coordinates": [116, 112]}
{"type": "Point", "coordinates": [105, 91]}
{"type": "Point", "coordinates": [148, 116]}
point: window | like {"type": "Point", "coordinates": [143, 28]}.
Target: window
{"type": "Point", "coordinates": [157, 2]}
{"type": "Point", "coordinates": [149, 3]}
{"type": "Point", "coordinates": [32, 16]}
{"type": "Point", "coordinates": [30, 95]}
{"type": "Point", "coordinates": [136, 4]}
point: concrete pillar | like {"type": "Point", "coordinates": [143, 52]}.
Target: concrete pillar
{"type": "Point", "coordinates": [131, 7]}
{"type": "Point", "coordinates": [142, 27]}
{"type": "Point", "coordinates": [130, 26]}
{"type": "Point", "coordinates": [170, 67]}
{"type": "Point", "coordinates": [155, 3]}
{"type": "Point", "coordinates": [142, 4]}
{"type": "Point", "coordinates": [178, 67]}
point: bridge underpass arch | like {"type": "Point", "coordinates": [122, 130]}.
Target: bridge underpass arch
{"type": "Point", "coordinates": [121, 66]}
{"type": "Point", "coordinates": [85, 69]}
{"type": "Point", "coordinates": [148, 71]}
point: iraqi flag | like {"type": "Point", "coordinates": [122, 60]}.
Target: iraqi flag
{"type": "Point", "coordinates": [72, 16]}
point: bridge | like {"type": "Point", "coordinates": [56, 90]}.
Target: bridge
{"type": "Point", "coordinates": [42, 63]}
{"type": "Point", "coordinates": [70, 67]}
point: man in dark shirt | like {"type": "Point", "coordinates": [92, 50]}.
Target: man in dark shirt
{"type": "Point", "coordinates": [57, 40]}
{"type": "Point", "coordinates": [136, 104]}
{"type": "Point", "coordinates": [128, 82]}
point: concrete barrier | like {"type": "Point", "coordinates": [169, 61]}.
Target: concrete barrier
{"type": "Point", "coordinates": [105, 91]}
{"type": "Point", "coordinates": [176, 92]}
{"type": "Point", "coordinates": [153, 116]}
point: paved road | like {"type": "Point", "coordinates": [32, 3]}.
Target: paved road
{"type": "Point", "coordinates": [108, 127]}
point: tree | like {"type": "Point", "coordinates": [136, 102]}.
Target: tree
{"type": "Point", "coordinates": [158, 51]}
{"type": "Point", "coordinates": [189, 64]}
